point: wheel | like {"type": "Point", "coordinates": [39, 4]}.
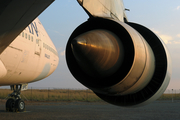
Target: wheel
{"type": "Point", "coordinates": [10, 105]}
{"type": "Point", "coordinates": [19, 105]}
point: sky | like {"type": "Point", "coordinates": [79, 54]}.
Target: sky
{"type": "Point", "coordinates": [63, 16]}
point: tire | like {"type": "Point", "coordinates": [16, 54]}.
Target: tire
{"type": "Point", "coordinates": [10, 105]}
{"type": "Point", "coordinates": [19, 105]}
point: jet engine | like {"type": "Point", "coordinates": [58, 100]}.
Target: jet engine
{"type": "Point", "coordinates": [125, 64]}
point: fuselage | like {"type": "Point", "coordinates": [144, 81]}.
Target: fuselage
{"type": "Point", "coordinates": [32, 56]}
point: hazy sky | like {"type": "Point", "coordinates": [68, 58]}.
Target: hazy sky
{"type": "Point", "coordinates": [63, 16]}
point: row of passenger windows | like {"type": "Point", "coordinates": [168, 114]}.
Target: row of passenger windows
{"type": "Point", "coordinates": [27, 36]}
{"type": "Point", "coordinates": [49, 48]}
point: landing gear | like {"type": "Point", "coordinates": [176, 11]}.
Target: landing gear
{"type": "Point", "coordinates": [15, 103]}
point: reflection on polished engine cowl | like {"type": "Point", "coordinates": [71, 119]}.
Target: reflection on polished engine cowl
{"type": "Point", "coordinates": [125, 64]}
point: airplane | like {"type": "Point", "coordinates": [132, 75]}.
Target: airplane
{"type": "Point", "coordinates": [123, 63]}
{"type": "Point", "coordinates": [27, 54]}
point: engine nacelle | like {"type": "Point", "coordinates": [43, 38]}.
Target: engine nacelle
{"type": "Point", "coordinates": [125, 64]}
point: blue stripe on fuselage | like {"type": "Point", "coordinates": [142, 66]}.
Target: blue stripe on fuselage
{"type": "Point", "coordinates": [44, 72]}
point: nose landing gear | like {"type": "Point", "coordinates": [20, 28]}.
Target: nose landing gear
{"type": "Point", "coordinates": [15, 103]}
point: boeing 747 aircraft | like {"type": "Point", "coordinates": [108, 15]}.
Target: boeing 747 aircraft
{"type": "Point", "coordinates": [124, 63]}
{"type": "Point", "coordinates": [27, 53]}
{"type": "Point", "coordinates": [30, 57]}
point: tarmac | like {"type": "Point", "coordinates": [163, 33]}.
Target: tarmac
{"type": "Point", "coordinates": [158, 110]}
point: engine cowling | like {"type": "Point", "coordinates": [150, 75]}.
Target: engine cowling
{"type": "Point", "coordinates": [125, 64]}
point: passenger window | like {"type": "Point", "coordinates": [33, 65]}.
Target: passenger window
{"type": "Point", "coordinates": [26, 35]}
{"type": "Point", "coordinates": [29, 37]}
{"type": "Point", "coordinates": [22, 34]}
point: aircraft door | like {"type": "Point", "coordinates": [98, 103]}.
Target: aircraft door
{"type": "Point", "coordinates": [38, 47]}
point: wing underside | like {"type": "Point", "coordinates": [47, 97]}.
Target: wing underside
{"type": "Point", "coordinates": [16, 15]}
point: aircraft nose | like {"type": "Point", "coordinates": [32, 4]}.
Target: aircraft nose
{"type": "Point", "coordinates": [99, 53]}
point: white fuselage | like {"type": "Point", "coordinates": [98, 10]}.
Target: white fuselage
{"type": "Point", "coordinates": [30, 57]}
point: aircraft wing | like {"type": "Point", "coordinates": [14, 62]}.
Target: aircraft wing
{"type": "Point", "coordinates": [16, 15]}
{"type": "Point", "coordinates": [104, 8]}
